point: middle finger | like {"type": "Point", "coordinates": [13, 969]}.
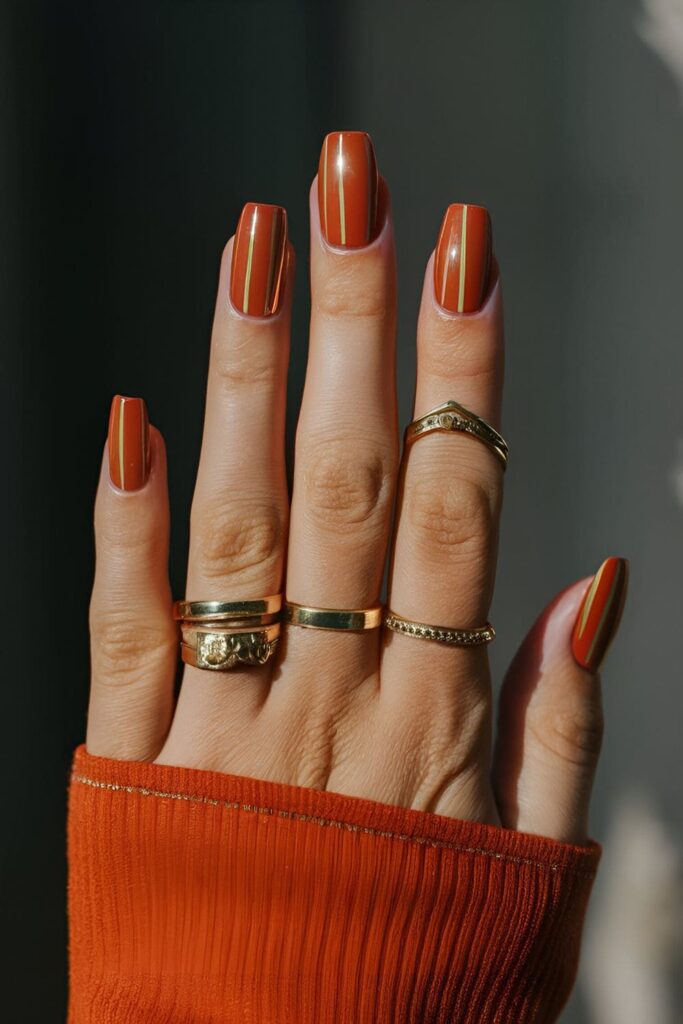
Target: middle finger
{"type": "Point", "coordinates": [347, 436]}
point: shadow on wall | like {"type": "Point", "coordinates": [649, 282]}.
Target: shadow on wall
{"type": "Point", "coordinates": [632, 962]}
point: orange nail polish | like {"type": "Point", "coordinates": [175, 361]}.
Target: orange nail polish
{"type": "Point", "coordinates": [599, 614]}
{"type": "Point", "coordinates": [463, 258]}
{"type": "Point", "coordinates": [347, 189]}
{"type": "Point", "coordinates": [258, 259]}
{"type": "Point", "coordinates": [129, 456]}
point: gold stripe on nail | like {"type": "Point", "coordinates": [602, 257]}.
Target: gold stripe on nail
{"type": "Point", "coordinates": [590, 597]}
{"type": "Point", "coordinates": [463, 260]}
{"type": "Point", "coordinates": [327, 233]}
{"type": "Point", "coordinates": [444, 276]}
{"type": "Point", "coordinates": [143, 445]}
{"type": "Point", "coordinates": [340, 180]}
{"type": "Point", "coordinates": [247, 275]}
{"type": "Point", "coordinates": [122, 481]}
{"type": "Point", "coordinates": [368, 162]}
{"type": "Point", "coordinates": [274, 231]}
{"type": "Point", "coordinates": [616, 582]}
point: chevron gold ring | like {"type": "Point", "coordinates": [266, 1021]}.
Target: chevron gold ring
{"type": "Point", "coordinates": [451, 417]}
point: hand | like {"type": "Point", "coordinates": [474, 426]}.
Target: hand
{"type": "Point", "coordinates": [375, 714]}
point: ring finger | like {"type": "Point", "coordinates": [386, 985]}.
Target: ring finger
{"type": "Point", "coordinates": [448, 508]}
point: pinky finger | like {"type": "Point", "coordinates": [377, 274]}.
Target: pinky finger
{"type": "Point", "coordinates": [550, 719]}
{"type": "Point", "coordinates": [133, 637]}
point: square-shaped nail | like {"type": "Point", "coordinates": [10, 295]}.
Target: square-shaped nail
{"type": "Point", "coordinates": [462, 264]}
{"type": "Point", "coordinates": [348, 184]}
{"type": "Point", "coordinates": [258, 259]}
{"type": "Point", "coordinates": [129, 451]}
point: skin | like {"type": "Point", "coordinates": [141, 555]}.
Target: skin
{"type": "Point", "coordinates": [375, 715]}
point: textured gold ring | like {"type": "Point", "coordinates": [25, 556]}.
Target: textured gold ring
{"type": "Point", "coordinates": [351, 619]}
{"type": "Point", "coordinates": [222, 650]}
{"type": "Point", "coordinates": [474, 637]}
{"type": "Point", "coordinates": [451, 417]}
{"type": "Point", "coordinates": [215, 611]}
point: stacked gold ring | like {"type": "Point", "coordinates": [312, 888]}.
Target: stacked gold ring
{"type": "Point", "coordinates": [222, 635]}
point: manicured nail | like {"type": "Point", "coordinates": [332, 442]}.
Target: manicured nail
{"type": "Point", "coordinates": [347, 189]}
{"type": "Point", "coordinates": [129, 457]}
{"type": "Point", "coordinates": [463, 258]}
{"type": "Point", "coordinates": [599, 614]}
{"type": "Point", "coordinates": [258, 259]}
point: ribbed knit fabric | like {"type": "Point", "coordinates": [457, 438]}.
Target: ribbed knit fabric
{"type": "Point", "coordinates": [201, 897]}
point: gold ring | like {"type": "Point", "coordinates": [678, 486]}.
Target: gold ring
{"type": "Point", "coordinates": [221, 651]}
{"type": "Point", "coordinates": [237, 623]}
{"type": "Point", "coordinates": [352, 619]}
{"type": "Point", "coordinates": [474, 637]}
{"type": "Point", "coordinates": [450, 417]}
{"type": "Point", "coordinates": [191, 631]}
{"type": "Point", "coordinates": [215, 611]}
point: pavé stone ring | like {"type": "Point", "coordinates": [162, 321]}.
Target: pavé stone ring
{"type": "Point", "coordinates": [474, 637]}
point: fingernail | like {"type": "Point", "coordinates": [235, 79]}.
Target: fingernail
{"type": "Point", "coordinates": [463, 258]}
{"type": "Point", "coordinates": [258, 259]}
{"type": "Point", "coordinates": [599, 614]}
{"type": "Point", "coordinates": [129, 456]}
{"type": "Point", "coordinates": [347, 189]}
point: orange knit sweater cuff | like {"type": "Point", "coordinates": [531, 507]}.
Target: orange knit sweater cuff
{"type": "Point", "coordinates": [199, 896]}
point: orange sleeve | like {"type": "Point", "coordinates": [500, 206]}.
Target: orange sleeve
{"type": "Point", "coordinates": [196, 896]}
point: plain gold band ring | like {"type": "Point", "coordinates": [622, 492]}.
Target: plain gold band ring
{"type": "Point", "coordinates": [350, 619]}
{"type": "Point", "coordinates": [214, 611]}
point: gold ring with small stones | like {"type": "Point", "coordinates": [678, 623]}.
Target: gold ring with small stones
{"type": "Point", "coordinates": [474, 637]}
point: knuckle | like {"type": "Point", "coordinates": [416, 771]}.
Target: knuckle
{"type": "Point", "coordinates": [124, 648]}
{"type": "Point", "coordinates": [452, 518]}
{"type": "Point", "coordinates": [132, 533]}
{"type": "Point", "coordinates": [227, 540]}
{"type": "Point", "coordinates": [451, 347]}
{"type": "Point", "coordinates": [573, 733]}
{"type": "Point", "coordinates": [248, 363]}
{"type": "Point", "coordinates": [352, 290]}
{"type": "Point", "coordinates": [345, 485]}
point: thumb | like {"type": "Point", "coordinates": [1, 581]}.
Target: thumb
{"type": "Point", "coordinates": [550, 719]}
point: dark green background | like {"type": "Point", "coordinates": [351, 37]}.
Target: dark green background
{"type": "Point", "coordinates": [132, 135]}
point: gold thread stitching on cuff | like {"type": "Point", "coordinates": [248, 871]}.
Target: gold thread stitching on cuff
{"type": "Point", "coordinates": [116, 787]}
